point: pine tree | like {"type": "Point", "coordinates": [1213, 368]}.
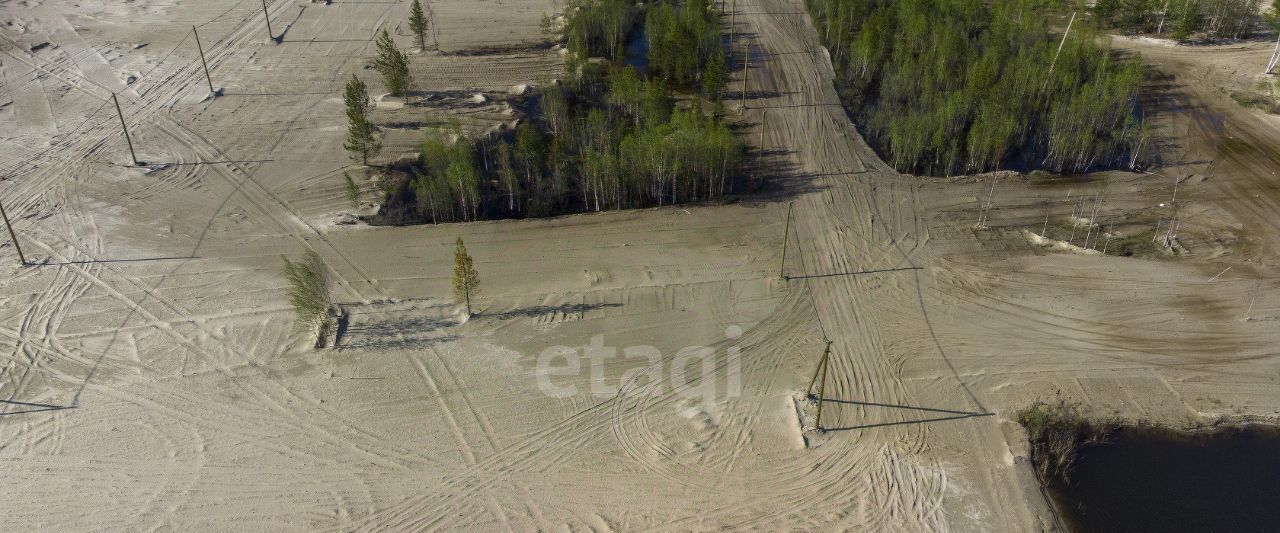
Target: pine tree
{"type": "Point", "coordinates": [418, 24]}
{"type": "Point", "coordinates": [393, 65]}
{"type": "Point", "coordinates": [351, 190]}
{"type": "Point", "coordinates": [308, 290]}
{"type": "Point", "coordinates": [466, 281]}
{"type": "Point", "coordinates": [360, 139]}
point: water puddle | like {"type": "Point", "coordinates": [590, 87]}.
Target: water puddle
{"type": "Point", "coordinates": [1154, 480]}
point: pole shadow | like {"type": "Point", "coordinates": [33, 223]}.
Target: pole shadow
{"type": "Point", "coordinates": [33, 407]}
{"type": "Point", "coordinates": [860, 272]}
{"type": "Point", "coordinates": [135, 260]}
{"type": "Point", "coordinates": [952, 414]}
{"type": "Point", "coordinates": [226, 161]}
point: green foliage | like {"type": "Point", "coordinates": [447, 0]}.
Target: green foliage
{"type": "Point", "coordinates": [466, 281]}
{"type": "Point", "coordinates": [508, 178]}
{"type": "Point", "coordinates": [1223, 19]}
{"type": "Point", "coordinates": [947, 86]}
{"type": "Point", "coordinates": [626, 90]}
{"type": "Point", "coordinates": [683, 39]}
{"type": "Point", "coordinates": [351, 191]}
{"type": "Point", "coordinates": [1272, 16]}
{"type": "Point", "coordinates": [1255, 100]}
{"type": "Point", "coordinates": [418, 24]}
{"type": "Point", "coordinates": [714, 76]}
{"type": "Point", "coordinates": [361, 142]}
{"type": "Point", "coordinates": [598, 28]}
{"type": "Point", "coordinates": [606, 138]}
{"type": "Point", "coordinates": [618, 149]}
{"type": "Point", "coordinates": [1188, 20]}
{"type": "Point", "coordinates": [449, 188]}
{"type": "Point", "coordinates": [308, 280]}
{"type": "Point", "coordinates": [393, 65]}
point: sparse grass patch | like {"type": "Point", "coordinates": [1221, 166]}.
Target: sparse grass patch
{"type": "Point", "coordinates": [1256, 101]}
{"type": "Point", "coordinates": [1139, 245]}
{"type": "Point", "coordinates": [309, 292]}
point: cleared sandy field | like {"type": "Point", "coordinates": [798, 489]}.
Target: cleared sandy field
{"type": "Point", "coordinates": [152, 378]}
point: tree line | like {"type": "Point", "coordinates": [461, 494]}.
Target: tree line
{"type": "Point", "coordinates": [616, 142]}
{"type": "Point", "coordinates": [605, 138]}
{"type": "Point", "coordinates": [683, 39]}
{"type": "Point", "coordinates": [1221, 19]}
{"type": "Point", "coordinates": [961, 86]}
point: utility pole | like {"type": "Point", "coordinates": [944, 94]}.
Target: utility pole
{"type": "Point", "coordinates": [822, 369]}
{"type": "Point", "coordinates": [14, 237]}
{"type": "Point", "coordinates": [763, 115]}
{"type": "Point", "coordinates": [207, 77]}
{"type": "Point", "coordinates": [746, 74]}
{"type": "Point", "coordinates": [733, 18]}
{"type": "Point", "coordinates": [270, 34]}
{"type": "Point", "coordinates": [125, 127]}
{"type": "Point", "coordinates": [435, 29]}
{"type": "Point", "coordinates": [786, 233]}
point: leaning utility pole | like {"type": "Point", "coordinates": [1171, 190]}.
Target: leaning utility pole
{"type": "Point", "coordinates": [14, 237]}
{"type": "Point", "coordinates": [207, 77]}
{"type": "Point", "coordinates": [125, 127]}
{"type": "Point", "coordinates": [270, 34]}
{"type": "Point", "coordinates": [786, 233]}
{"type": "Point", "coordinates": [822, 369]}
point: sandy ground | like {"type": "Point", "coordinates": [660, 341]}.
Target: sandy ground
{"type": "Point", "coordinates": [152, 378]}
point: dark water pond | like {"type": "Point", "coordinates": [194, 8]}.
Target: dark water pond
{"type": "Point", "coordinates": [637, 53]}
{"type": "Point", "coordinates": [1152, 480]}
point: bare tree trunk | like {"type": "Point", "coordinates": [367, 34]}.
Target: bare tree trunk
{"type": "Point", "coordinates": [1054, 63]}
{"type": "Point", "coordinates": [1164, 14]}
{"type": "Point", "coordinates": [1275, 56]}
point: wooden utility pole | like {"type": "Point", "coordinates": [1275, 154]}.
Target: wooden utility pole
{"type": "Point", "coordinates": [270, 34]}
{"type": "Point", "coordinates": [200, 47]}
{"type": "Point", "coordinates": [435, 29]}
{"type": "Point", "coordinates": [786, 234]}
{"type": "Point", "coordinates": [733, 18]}
{"type": "Point", "coordinates": [821, 370]}
{"type": "Point", "coordinates": [125, 127]}
{"type": "Point", "coordinates": [13, 236]}
{"type": "Point", "coordinates": [746, 73]}
{"type": "Point", "coordinates": [763, 115]}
